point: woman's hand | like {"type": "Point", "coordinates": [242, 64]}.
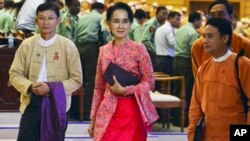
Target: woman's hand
{"type": "Point", "coordinates": [117, 88]}
{"type": "Point", "coordinates": [91, 128]}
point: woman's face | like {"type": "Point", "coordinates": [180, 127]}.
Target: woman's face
{"type": "Point", "coordinates": [119, 24]}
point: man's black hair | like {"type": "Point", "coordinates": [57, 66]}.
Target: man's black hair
{"type": "Point", "coordinates": [227, 4]}
{"type": "Point", "coordinates": [48, 6]}
{"type": "Point", "coordinates": [194, 16]}
{"type": "Point", "coordinates": [223, 26]}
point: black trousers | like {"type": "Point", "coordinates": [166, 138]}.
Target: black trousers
{"type": "Point", "coordinates": [29, 129]}
{"type": "Point", "coordinates": [164, 64]}
{"type": "Point", "coordinates": [183, 66]}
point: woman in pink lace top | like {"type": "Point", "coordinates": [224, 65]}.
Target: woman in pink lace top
{"type": "Point", "coordinates": [122, 113]}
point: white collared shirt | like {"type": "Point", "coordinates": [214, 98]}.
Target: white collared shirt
{"type": "Point", "coordinates": [165, 40]}
{"type": "Point", "coordinates": [223, 58]}
{"type": "Point", "coordinates": [26, 18]}
{"type": "Point", "coordinates": [43, 72]}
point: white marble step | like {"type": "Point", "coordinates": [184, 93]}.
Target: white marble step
{"type": "Point", "coordinates": [9, 117]}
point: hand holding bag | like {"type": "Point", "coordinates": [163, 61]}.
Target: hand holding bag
{"type": "Point", "coordinates": [124, 77]}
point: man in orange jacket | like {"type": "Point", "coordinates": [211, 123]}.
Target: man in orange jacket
{"type": "Point", "coordinates": [221, 9]}
{"type": "Point", "coordinates": [216, 93]}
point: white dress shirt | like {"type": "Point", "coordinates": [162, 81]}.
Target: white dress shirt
{"type": "Point", "coordinates": [26, 18]}
{"type": "Point", "coordinates": [165, 40]}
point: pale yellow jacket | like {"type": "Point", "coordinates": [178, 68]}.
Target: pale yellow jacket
{"type": "Point", "coordinates": [63, 64]}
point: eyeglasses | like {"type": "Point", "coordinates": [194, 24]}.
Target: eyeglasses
{"type": "Point", "coordinates": [118, 22]}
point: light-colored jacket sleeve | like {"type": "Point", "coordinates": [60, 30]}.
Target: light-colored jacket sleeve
{"type": "Point", "coordinates": [74, 67]}
{"type": "Point", "coordinates": [142, 90]}
{"type": "Point", "coordinates": [147, 79]}
{"type": "Point", "coordinates": [18, 77]}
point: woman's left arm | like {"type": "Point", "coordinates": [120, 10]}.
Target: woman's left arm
{"type": "Point", "coordinates": [146, 72]}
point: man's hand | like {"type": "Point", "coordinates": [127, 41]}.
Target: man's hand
{"type": "Point", "coordinates": [40, 88]}
{"type": "Point", "coordinates": [117, 88]}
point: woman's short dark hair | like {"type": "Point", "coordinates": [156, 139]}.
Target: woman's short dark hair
{"type": "Point", "coordinates": [120, 5]}
{"type": "Point", "coordinates": [48, 6]}
{"type": "Point", "coordinates": [223, 26]}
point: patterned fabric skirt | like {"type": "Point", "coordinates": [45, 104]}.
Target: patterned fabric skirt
{"type": "Point", "coordinates": [126, 123]}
